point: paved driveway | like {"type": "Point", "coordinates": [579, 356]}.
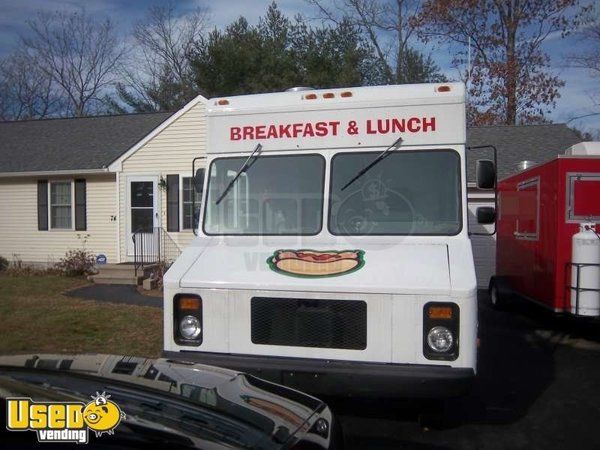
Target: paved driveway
{"type": "Point", "coordinates": [538, 387]}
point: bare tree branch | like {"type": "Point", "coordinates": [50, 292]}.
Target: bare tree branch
{"type": "Point", "coordinates": [164, 43]}
{"type": "Point", "coordinates": [78, 53]}
{"type": "Point", "coordinates": [389, 27]}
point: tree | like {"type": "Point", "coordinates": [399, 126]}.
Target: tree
{"type": "Point", "coordinates": [279, 53]}
{"type": "Point", "coordinates": [79, 54]}
{"type": "Point", "coordinates": [25, 91]}
{"type": "Point", "coordinates": [510, 79]}
{"type": "Point", "coordinates": [160, 76]}
{"type": "Point", "coordinates": [590, 37]}
{"type": "Point", "coordinates": [588, 58]}
{"type": "Point", "coordinates": [389, 28]}
{"type": "Point", "coordinates": [334, 56]}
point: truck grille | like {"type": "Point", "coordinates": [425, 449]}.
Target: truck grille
{"type": "Point", "coordinates": [309, 322]}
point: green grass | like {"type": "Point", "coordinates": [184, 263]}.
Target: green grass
{"type": "Point", "coordinates": [36, 317]}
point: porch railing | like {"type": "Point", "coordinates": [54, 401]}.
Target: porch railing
{"type": "Point", "coordinates": [152, 247]}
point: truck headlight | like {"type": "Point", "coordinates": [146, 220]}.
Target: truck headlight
{"type": "Point", "coordinates": [189, 327]}
{"type": "Point", "coordinates": [441, 326]}
{"type": "Point", "coordinates": [440, 339]}
{"type": "Point", "coordinates": [187, 319]}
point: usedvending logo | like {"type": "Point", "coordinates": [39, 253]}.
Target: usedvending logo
{"type": "Point", "coordinates": [64, 421]}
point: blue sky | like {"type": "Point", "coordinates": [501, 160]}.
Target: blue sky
{"type": "Point", "coordinates": [576, 97]}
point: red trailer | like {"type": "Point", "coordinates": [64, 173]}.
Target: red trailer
{"type": "Point", "coordinates": [547, 248]}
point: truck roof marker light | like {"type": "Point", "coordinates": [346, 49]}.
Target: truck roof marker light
{"type": "Point", "coordinates": [329, 95]}
{"type": "Point", "coordinates": [310, 97]}
{"type": "Point", "coordinates": [222, 102]}
{"type": "Point", "coordinates": [443, 88]}
{"type": "Point", "coordinates": [346, 94]}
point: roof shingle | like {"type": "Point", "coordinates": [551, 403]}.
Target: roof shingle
{"type": "Point", "coordinates": [537, 143]}
{"type": "Point", "coordinates": [71, 144]}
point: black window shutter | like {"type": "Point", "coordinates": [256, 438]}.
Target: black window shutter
{"type": "Point", "coordinates": [80, 206]}
{"type": "Point", "coordinates": [42, 204]}
{"type": "Point", "coordinates": [172, 202]}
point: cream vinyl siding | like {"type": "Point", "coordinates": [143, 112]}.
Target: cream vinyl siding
{"type": "Point", "coordinates": [169, 152]}
{"type": "Point", "coordinates": [19, 234]}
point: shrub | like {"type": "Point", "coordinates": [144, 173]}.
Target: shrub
{"type": "Point", "coordinates": [3, 263]}
{"type": "Point", "coordinates": [17, 268]}
{"type": "Point", "coordinates": [76, 263]}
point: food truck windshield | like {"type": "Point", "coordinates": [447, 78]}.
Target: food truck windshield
{"type": "Point", "coordinates": [411, 192]}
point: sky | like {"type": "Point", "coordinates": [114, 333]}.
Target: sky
{"type": "Point", "coordinates": [577, 96]}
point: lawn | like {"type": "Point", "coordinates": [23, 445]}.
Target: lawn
{"type": "Point", "coordinates": [36, 317]}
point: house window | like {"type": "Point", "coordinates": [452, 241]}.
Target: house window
{"type": "Point", "coordinates": [61, 205]}
{"type": "Point", "coordinates": [190, 217]}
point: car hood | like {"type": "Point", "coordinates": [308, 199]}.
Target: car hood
{"type": "Point", "coordinates": [278, 412]}
{"type": "Point", "coordinates": [392, 269]}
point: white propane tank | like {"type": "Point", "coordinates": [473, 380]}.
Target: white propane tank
{"type": "Point", "coordinates": [586, 250]}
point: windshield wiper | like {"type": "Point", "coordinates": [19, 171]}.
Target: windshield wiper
{"type": "Point", "coordinates": [381, 156]}
{"type": "Point", "coordinates": [247, 164]}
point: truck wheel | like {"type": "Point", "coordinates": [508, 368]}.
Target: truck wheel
{"type": "Point", "coordinates": [497, 297]}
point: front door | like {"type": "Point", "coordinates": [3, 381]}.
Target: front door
{"type": "Point", "coordinates": [143, 218]}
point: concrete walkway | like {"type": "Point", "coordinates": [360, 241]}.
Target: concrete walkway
{"type": "Point", "coordinates": [115, 293]}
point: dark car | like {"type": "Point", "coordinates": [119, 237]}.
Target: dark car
{"type": "Point", "coordinates": [170, 403]}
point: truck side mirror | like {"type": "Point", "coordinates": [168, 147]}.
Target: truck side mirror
{"type": "Point", "coordinates": [486, 174]}
{"type": "Point", "coordinates": [486, 215]}
{"type": "Point", "coordinates": [199, 180]}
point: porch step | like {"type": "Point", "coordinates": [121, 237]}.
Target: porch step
{"type": "Point", "coordinates": [116, 274]}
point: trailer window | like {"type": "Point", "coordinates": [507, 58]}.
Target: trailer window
{"type": "Point", "coordinates": [408, 193]}
{"type": "Point", "coordinates": [583, 192]}
{"type": "Point", "coordinates": [278, 195]}
{"type": "Point", "coordinates": [528, 204]}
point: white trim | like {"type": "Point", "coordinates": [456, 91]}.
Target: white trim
{"type": "Point", "coordinates": [181, 204]}
{"type": "Point", "coordinates": [72, 205]}
{"type": "Point", "coordinates": [116, 165]}
{"type": "Point", "coordinates": [156, 220]}
{"type": "Point", "coordinates": [54, 173]}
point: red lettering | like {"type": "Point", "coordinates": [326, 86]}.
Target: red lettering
{"type": "Point", "coordinates": [272, 133]}
{"type": "Point", "coordinates": [414, 124]}
{"type": "Point", "coordinates": [334, 127]}
{"type": "Point", "coordinates": [308, 130]}
{"type": "Point", "coordinates": [234, 134]}
{"type": "Point", "coordinates": [370, 129]}
{"type": "Point", "coordinates": [260, 132]}
{"type": "Point", "coordinates": [321, 128]}
{"type": "Point", "coordinates": [248, 132]}
{"type": "Point", "coordinates": [381, 128]}
{"type": "Point", "coordinates": [428, 124]}
{"type": "Point", "coordinates": [398, 126]}
{"type": "Point", "coordinates": [297, 128]}
{"type": "Point", "coordinates": [284, 131]}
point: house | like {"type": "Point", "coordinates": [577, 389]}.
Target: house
{"type": "Point", "coordinates": [535, 143]}
{"type": "Point", "coordinates": [91, 182]}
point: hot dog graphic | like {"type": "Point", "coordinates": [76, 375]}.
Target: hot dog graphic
{"type": "Point", "coordinates": [316, 263]}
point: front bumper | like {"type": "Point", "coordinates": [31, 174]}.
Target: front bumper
{"type": "Point", "coordinates": [340, 378]}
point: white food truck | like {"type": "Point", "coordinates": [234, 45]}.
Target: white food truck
{"type": "Point", "coordinates": [332, 252]}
